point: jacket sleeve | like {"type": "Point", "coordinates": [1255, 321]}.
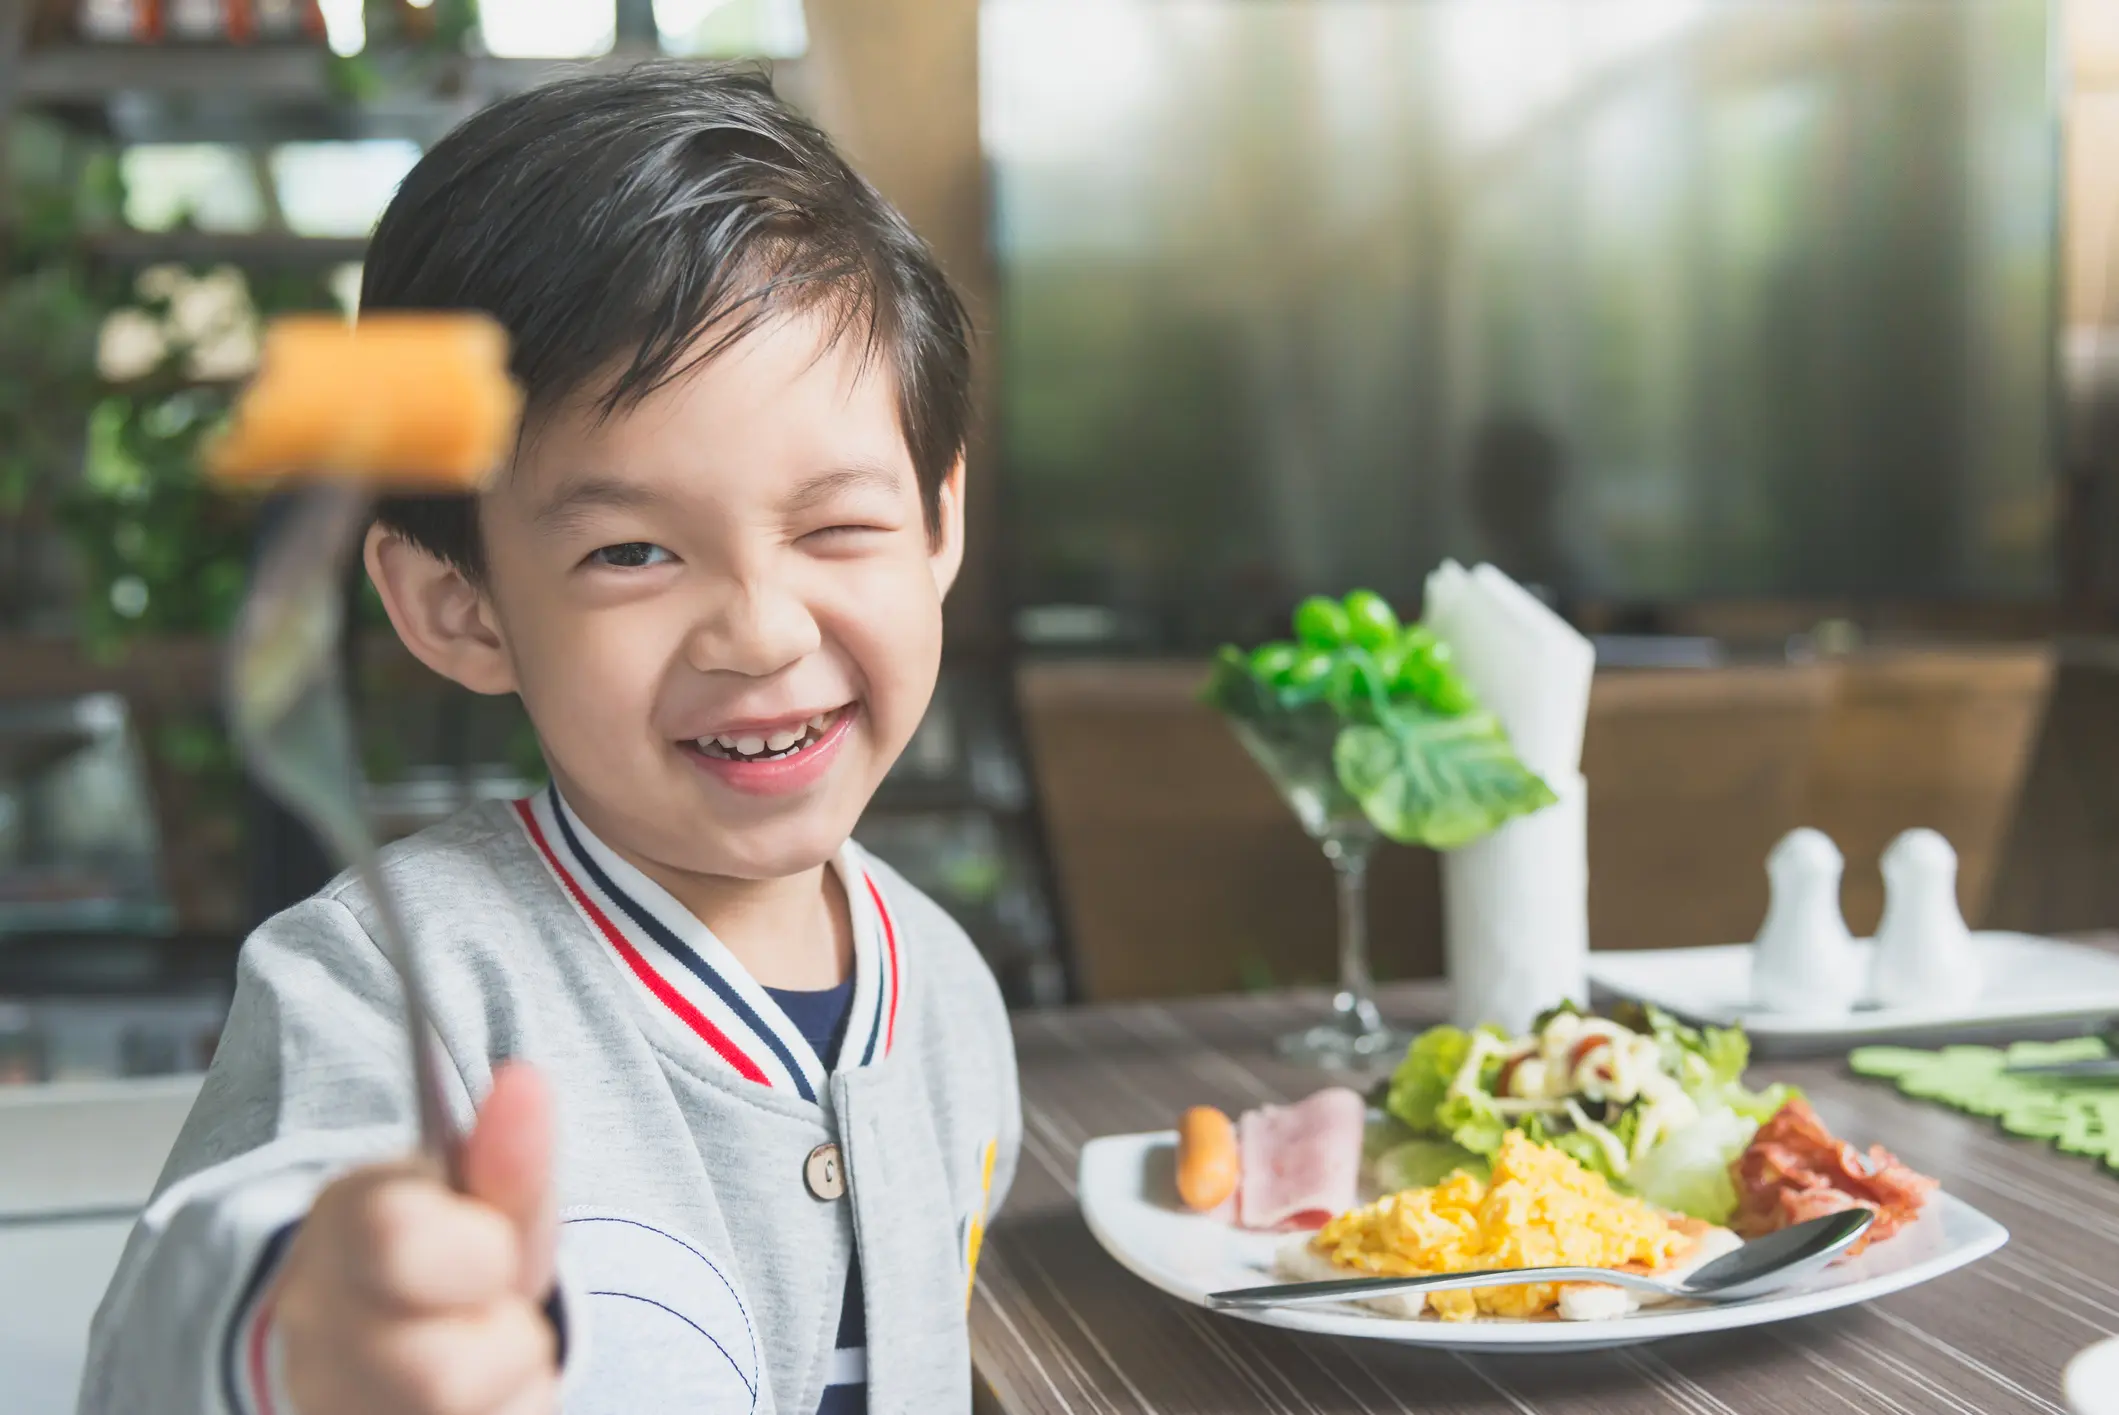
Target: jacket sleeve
{"type": "Point", "coordinates": [312, 1077]}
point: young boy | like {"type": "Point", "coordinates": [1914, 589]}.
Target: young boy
{"type": "Point", "coordinates": [739, 1100]}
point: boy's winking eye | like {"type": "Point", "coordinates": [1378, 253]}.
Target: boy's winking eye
{"type": "Point", "coordinates": [830, 511]}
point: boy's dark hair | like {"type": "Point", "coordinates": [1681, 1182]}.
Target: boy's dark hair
{"type": "Point", "coordinates": [607, 222]}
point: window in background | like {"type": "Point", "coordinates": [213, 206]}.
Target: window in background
{"type": "Point", "coordinates": [1645, 300]}
{"type": "Point", "coordinates": [339, 188]}
{"type": "Point", "coordinates": [762, 29]}
{"type": "Point", "coordinates": [213, 186]}
{"type": "Point", "coordinates": [548, 29]}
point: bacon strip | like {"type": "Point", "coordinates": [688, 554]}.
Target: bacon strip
{"type": "Point", "coordinates": [1796, 1170]}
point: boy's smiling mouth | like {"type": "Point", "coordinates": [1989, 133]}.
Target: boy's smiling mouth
{"type": "Point", "coordinates": [773, 756]}
{"type": "Point", "coordinates": [769, 742]}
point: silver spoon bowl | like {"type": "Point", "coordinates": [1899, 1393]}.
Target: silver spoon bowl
{"type": "Point", "coordinates": [1759, 1267]}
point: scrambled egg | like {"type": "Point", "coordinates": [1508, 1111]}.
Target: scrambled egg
{"type": "Point", "coordinates": [1541, 1208]}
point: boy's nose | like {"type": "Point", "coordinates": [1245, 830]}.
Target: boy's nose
{"type": "Point", "coordinates": [754, 631]}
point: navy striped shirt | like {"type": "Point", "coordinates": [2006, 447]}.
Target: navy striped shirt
{"type": "Point", "coordinates": [821, 1018]}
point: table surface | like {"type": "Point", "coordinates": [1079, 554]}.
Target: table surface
{"type": "Point", "coordinates": [1058, 1325]}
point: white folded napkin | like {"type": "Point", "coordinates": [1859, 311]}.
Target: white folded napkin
{"type": "Point", "coordinates": [1526, 663]}
{"type": "Point", "coordinates": [1515, 911]}
{"type": "Point", "coordinates": [1516, 904]}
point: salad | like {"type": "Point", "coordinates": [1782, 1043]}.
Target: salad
{"type": "Point", "coordinates": [1381, 707]}
{"type": "Point", "coordinates": [1654, 1106]}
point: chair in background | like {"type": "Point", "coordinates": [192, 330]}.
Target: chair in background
{"type": "Point", "coordinates": [1693, 775]}
{"type": "Point", "coordinates": [1930, 738]}
{"type": "Point", "coordinates": [1182, 869]}
{"type": "Point", "coordinates": [2055, 873]}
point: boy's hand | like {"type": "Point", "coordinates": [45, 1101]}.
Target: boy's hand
{"type": "Point", "coordinates": [401, 1297]}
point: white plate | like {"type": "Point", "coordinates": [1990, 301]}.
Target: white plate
{"type": "Point", "coordinates": [1129, 1197]}
{"type": "Point", "coordinates": [2029, 982]}
{"type": "Point", "coordinates": [2092, 1380]}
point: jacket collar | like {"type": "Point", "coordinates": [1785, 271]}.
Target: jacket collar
{"type": "Point", "coordinates": [687, 977]}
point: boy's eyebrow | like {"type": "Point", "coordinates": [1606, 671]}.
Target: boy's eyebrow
{"type": "Point", "coordinates": [860, 476]}
{"type": "Point", "coordinates": [580, 496]}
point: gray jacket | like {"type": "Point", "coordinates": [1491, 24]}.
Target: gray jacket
{"type": "Point", "coordinates": [702, 1273]}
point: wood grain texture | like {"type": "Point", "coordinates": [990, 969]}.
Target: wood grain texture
{"type": "Point", "coordinates": [1057, 1325]}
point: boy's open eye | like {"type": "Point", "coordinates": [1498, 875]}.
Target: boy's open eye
{"type": "Point", "coordinates": [629, 555]}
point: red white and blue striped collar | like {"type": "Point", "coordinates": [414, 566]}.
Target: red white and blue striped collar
{"type": "Point", "coordinates": [686, 976]}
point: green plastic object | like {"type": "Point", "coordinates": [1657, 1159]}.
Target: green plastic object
{"type": "Point", "coordinates": [2079, 1116]}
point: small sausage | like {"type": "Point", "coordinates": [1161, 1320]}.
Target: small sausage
{"type": "Point", "coordinates": [1207, 1162]}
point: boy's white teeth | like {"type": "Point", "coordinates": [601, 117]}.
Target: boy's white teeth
{"type": "Point", "coordinates": [769, 746]}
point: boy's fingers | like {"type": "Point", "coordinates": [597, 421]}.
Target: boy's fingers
{"type": "Point", "coordinates": [417, 1247]}
{"type": "Point", "coordinates": [466, 1365]}
{"type": "Point", "coordinates": [507, 1163]}
{"type": "Point", "coordinates": [540, 1397]}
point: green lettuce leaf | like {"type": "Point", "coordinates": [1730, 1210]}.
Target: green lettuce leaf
{"type": "Point", "coordinates": [1420, 1164]}
{"type": "Point", "coordinates": [1758, 1107]}
{"type": "Point", "coordinates": [1427, 779]}
{"type": "Point", "coordinates": [1422, 1080]}
{"type": "Point", "coordinates": [1472, 1121]}
{"type": "Point", "coordinates": [1688, 1172]}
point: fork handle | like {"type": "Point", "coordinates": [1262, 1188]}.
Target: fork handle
{"type": "Point", "coordinates": [1355, 1288]}
{"type": "Point", "coordinates": [438, 1139]}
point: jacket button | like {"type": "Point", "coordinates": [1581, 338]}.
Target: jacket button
{"type": "Point", "coordinates": [824, 1172]}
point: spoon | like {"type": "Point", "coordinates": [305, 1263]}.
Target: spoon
{"type": "Point", "coordinates": [1759, 1266]}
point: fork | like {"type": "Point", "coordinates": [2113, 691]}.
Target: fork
{"type": "Point", "coordinates": [2081, 1068]}
{"type": "Point", "coordinates": [287, 708]}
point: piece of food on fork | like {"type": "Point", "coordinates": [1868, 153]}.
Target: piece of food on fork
{"type": "Point", "coordinates": [413, 400]}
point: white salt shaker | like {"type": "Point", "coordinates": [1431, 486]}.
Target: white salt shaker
{"type": "Point", "coordinates": [1804, 960]}
{"type": "Point", "coordinates": [1924, 952]}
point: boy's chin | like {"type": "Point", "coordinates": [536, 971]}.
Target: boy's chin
{"type": "Point", "coordinates": [772, 853]}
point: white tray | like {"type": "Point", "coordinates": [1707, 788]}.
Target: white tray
{"type": "Point", "coordinates": [2029, 983]}
{"type": "Point", "coordinates": [1129, 1198]}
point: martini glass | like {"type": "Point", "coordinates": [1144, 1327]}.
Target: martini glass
{"type": "Point", "coordinates": [1298, 759]}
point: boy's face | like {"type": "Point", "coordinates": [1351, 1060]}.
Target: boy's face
{"type": "Point", "coordinates": [722, 608]}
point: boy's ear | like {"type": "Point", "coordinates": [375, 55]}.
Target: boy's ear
{"type": "Point", "coordinates": [947, 556]}
{"type": "Point", "coordinates": [439, 613]}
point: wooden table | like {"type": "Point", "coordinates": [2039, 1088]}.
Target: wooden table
{"type": "Point", "coordinates": [1057, 1325]}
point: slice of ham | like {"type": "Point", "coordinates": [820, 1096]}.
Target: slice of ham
{"type": "Point", "coordinates": [1300, 1162]}
{"type": "Point", "coordinates": [1796, 1170]}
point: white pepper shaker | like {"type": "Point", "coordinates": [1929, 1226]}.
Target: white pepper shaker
{"type": "Point", "coordinates": [1804, 961]}
{"type": "Point", "coordinates": [1924, 955]}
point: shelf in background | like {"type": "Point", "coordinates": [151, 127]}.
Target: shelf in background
{"type": "Point", "coordinates": [79, 74]}
{"type": "Point", "coordinates": [173, 670]}
{"type": "Point", "coordinates": [95, 73]}
{"type": "Point", "coordinates": [244, 248]}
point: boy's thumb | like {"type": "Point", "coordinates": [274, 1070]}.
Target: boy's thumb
{"type": "Point", "coordinates": [507, 1162]}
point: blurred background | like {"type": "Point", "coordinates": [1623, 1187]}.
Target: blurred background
{"type": "Point", "coordinates": [1769, 340]}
